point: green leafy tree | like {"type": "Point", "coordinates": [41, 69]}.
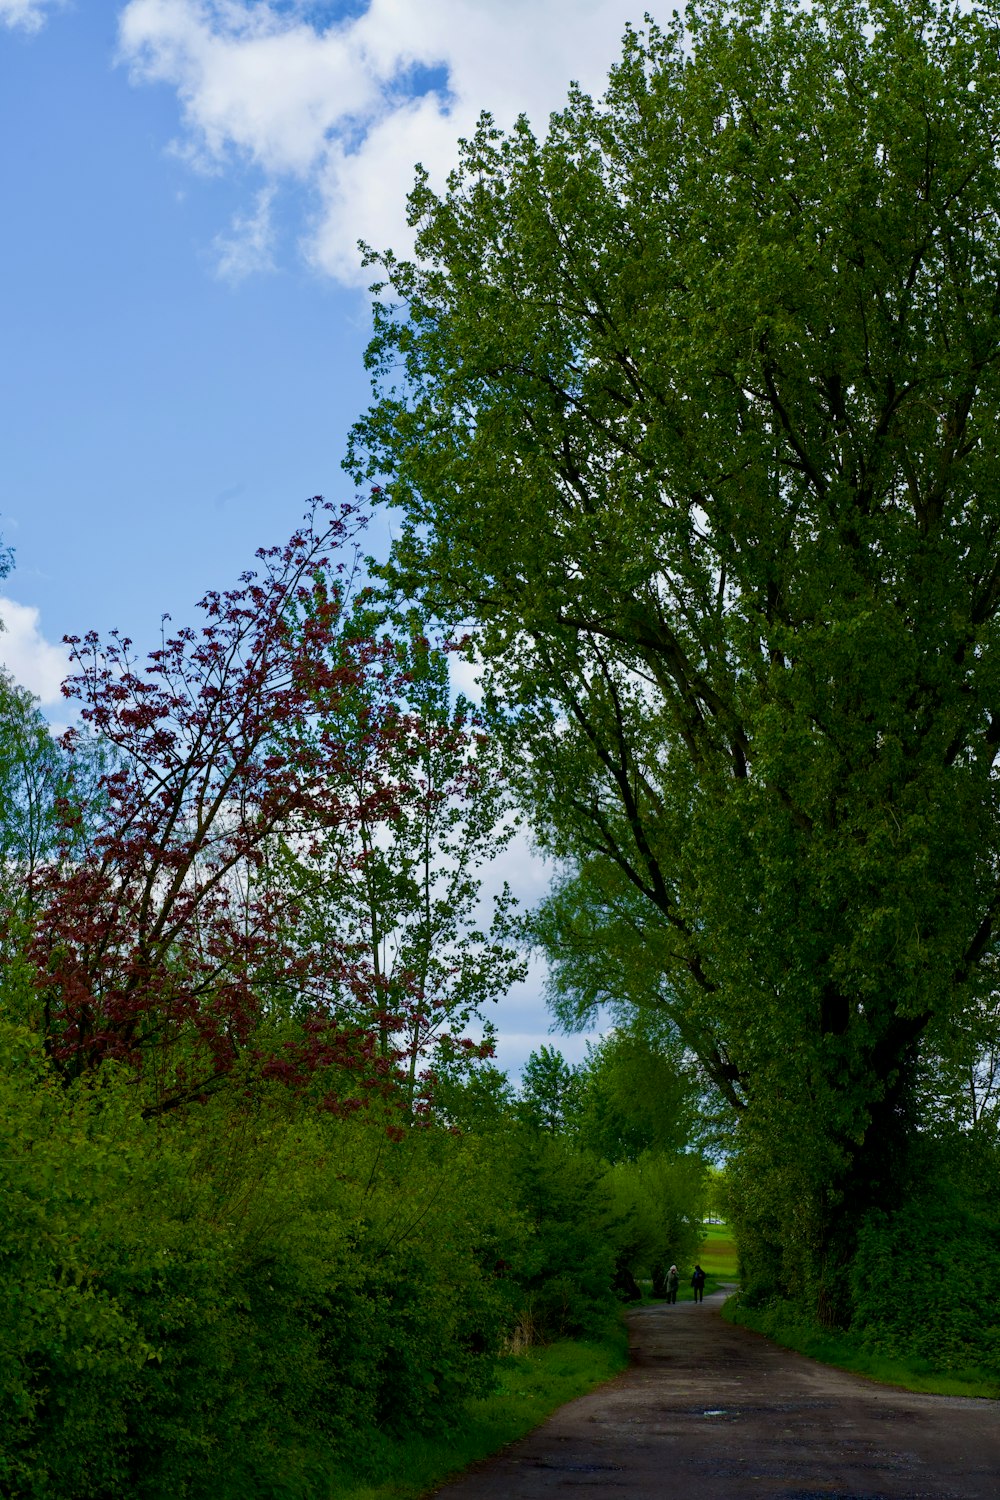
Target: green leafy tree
{"type": "Point", "coordinates": [639, 1093]}
{"type": "Point", "coordinates": [34, 777]}
{"type": "Point", "coordinates": [691, 410]}
{"type": "Point", "coordinates": [398, 877]}
{"type": "Point", "coordinates": [565, 1273]}
{"type": "Point", "coordinates": [47, 802]}
{"type": "Point", "coordinates": [551, 1091]}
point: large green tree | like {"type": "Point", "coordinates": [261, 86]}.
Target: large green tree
{"type": "Point", "coordinates": [691, 409]}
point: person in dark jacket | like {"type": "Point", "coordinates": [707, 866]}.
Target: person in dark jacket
{"type": "Point", "coordinates": [698, 1282]}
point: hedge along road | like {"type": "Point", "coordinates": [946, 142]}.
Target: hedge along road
{"type": "Point", "coordinates": [711, 1412]}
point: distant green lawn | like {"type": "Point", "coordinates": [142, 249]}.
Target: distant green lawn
{"type": "Point", "coordinates": [718, 1254]}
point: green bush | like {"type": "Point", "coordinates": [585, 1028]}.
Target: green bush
{"type": "Point", "coordinates": [925, 1281]}
{"type": "Point", "coordinates": [238, 1299]}
{"type": "Point", "coordinates": [922, 1290]}
{"type": "Point", "coordinates": [223, 1303]}
{"type": "Point", "coordinates": [68, 1351]}
{"type": "Point", "coordinates": [565, 1271]}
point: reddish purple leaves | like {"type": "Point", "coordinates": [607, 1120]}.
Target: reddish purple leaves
{"type": "Point", "coordinates": [170, 941]}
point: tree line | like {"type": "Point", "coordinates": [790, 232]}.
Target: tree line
{"type": "Point", "coordinates": [268, 1203]}
{"type": "Point", "coordinates": [688, 409]}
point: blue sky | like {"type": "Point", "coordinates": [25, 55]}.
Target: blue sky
{"type": "Point", "coordinates": [183, 310]}
{"type": "Point", "coordinates": [159, 421]}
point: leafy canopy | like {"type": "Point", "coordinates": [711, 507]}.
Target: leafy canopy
{"type": "Point", "coordinates": [690, 408]}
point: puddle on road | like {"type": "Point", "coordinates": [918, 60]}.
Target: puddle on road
{"type": "Point", "coordinates": [582, 1468]}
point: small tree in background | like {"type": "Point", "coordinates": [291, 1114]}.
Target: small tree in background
{"type": "Point", "coordinates": [550, 1092]}
{"type": "Point", "coordinates": [164, 941]}
{"type": "Point", "coordinates": [397, 882]}
{"type": "Point", "coordinates": [39, 784]}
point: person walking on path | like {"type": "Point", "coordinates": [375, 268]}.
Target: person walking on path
{"type": "Point", "coordinates": [698, 1282]}
{"type": "Point", "coordinates": [673, 1282]}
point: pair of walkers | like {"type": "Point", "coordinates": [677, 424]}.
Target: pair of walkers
{"type": "Point", "coordinates": [697, 1282]}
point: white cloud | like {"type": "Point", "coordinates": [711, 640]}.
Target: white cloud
{"type": "Point", "coordinates": [249, 247]}
{"type": "Point", "coordinates": [524, 1025]}
{"type": "Point", "coordinates": [29, 15]}
{"type": "Point", "coordinates": [31, 660]}
{"type": "Point", "coordinates": [333, 105]}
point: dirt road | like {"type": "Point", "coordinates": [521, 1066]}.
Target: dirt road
{"type": "Point", "coordinates": [711, 1412]}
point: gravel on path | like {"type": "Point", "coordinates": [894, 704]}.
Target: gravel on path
{"type": "Point", "coordinates": [707, 1411]}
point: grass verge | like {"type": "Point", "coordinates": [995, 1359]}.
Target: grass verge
{"type": "Point", "coordinates": [718, 1257]}
{"type": "Point", "coordinates": [529, 1387]}
{"type": "Point", "coordinates": [782, 1323]}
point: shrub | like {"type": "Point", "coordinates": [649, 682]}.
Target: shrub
{"type": "Point", "coordinates": [566, 1270]}
{"type": "Point", "coordinates": [926, 1278]}
{"type": "Point", "coordinates": [221, 1303]}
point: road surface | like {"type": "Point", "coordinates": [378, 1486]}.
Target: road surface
{"type": "Point", "coordinates": [711, 1412]}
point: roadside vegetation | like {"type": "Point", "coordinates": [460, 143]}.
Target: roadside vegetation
{"type": "Point", "coordinates": [687, 410]}
{"type": "Point", "coordinates": [529, 1387]}
{"type": "Point", "coordinates": [249, 1294]}
{"type": "Point", "coordinates": [783, 1323]}
{"type": "Point", "coordinates": [924, 1285]}
{"type": "Point", "coordinates": [271, 1214]}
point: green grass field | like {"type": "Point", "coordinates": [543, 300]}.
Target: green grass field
{"type": "Point", "coordinates": [718, 1256]}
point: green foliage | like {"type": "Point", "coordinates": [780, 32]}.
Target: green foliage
{"type": "Point", "coordinates": [566, 1270]}
{"type": "Point", "coordinates": [599, 1175]}
{"type": "Point", "coordinates": [398, 880]}
{"type": "Point", "coordinates": [717, 1193]}
{"type": "Point", "coordinates": [787, 1323]}
{"type": "Point", "coordinates": [690, 407]}
{"type": "Point", "coordinates": [639, 1093]}
{"type": "Point", "coordinates": [925, 1282]}
{"type": "Point", "coordinates": [476, 1101]}
{"type": "Point", "coordinates": [550, 1091]}
{"type": "Point", "coordinates": [222, 1304]}
{"type": "Point", "coordinates": [657, 1200]}
{"type": "Point", "coordinates": [35, 777]}
{"type": "Point", "coordinates": [528, 1387]}
{"type": "Point", "coordinates": [70, 1353]}
{"type": "Point", "coordinates": [920, 1294]}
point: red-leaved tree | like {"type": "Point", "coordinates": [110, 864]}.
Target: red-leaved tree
{"type": "Point", "coordinates": [168, 942]}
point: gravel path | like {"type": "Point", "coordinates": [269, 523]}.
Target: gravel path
{"type": "Point", "coordinates": [711, 1412]}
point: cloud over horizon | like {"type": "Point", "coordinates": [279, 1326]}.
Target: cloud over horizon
{"type": "Point", "coordinates": [346, 108]}
{"type": "Point", "coordinates": [30, 659]}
